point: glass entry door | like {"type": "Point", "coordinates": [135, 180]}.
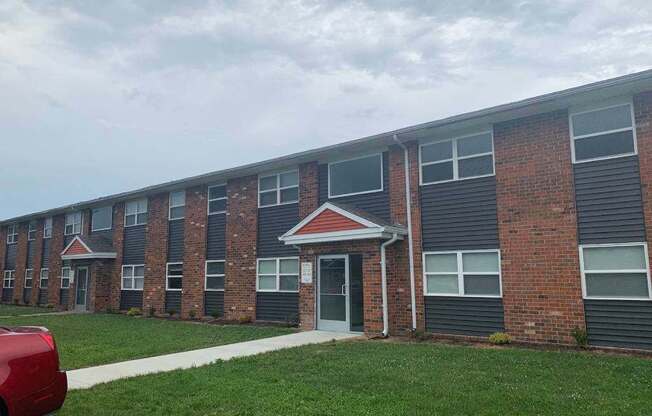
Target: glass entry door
{"type": "Point", "coordinates": [81, 287]}
{"type": "Point", "coordinates": [333, 290]}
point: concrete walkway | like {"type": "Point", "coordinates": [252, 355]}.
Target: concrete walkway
{"type": "Point", "coordinates": [88, 377]}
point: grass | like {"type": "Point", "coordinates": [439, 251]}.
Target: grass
{"type": "Point", "coordinates": [86, 340]}
{"type": "Point", "coordinates": [372, 378]}
{"type": "Point", "coordinates": [17, 310]}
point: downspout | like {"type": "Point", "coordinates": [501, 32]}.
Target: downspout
{"type": "Point", "coordinates": [383, 273]}
{"type": "Point", "coordinates": [408, 203]}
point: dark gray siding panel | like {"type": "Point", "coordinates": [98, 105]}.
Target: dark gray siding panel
{"type": "Point", "coordinates": [131, 299]}
{"type": "Point", "coordinates": [45, 257]}
{"type": "Point", "coordinates": [173, 301]}
{"type": "Point", "coordinates": [31, 251]}
{"type": "Point", "coordinates": [27, 295]}
{"type": "Point", "coordinates": [277, 306]}
{"type": "Point", "coordinates": [63, 296]}
{"type": "Point", "coordinates": [216, 237]}
{"type": "Point", "coordinates": [175, 241]}
{"type": "Point", "coordinates": [464, 316]}
{"type": "Point", "coordinates": [213, 302]}
{"type": "Point", "coordinates": [609, 203]}
{"type": "Point", "coordinates": [134, 245]}
{"type": "Point", "coordinates": [105, 234]}
{"type": "Point", "coordinates": [376, 203]}
{"type": "Point", "coordinates": [273, 222]}
{"type": "Point", "coordinates": [67, 239]}
{"type": "Point", "coordinates": [7, 295]}
{"type": "Point", "coordinates": [10, 258]}
{"type": "Point", "coordinates": [43, 297]}
{"type": "Point", "coordinates": [459, 215]}
{"type": "Point", "coordinates": [619, 323]}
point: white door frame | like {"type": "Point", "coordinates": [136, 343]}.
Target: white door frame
{"type": "Point", "coordinates": [78, 307]}
{"type": "Point", "coordinates": [330, 325]}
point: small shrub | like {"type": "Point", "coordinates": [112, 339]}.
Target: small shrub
{"type": "Point", "coordinates": [151, 311]}
{"type": "Point", "coordinates": [244, 320]}
{"type": "Point", "coordinates": [133, 312]}
{"type": "Point", "coordinates": [192, 314]}
{"type": "Point", "coordinates": [581, 337]}
{"type": "Point", "coordinates": [16, 302]}
{"type": "Point", "coordinates": [172, 312]}
{"type": "Point", "coordinates": [109, 309]}
{"type": "Point", "coordinates": [500, 338]}
{"type": "Point", "coordinates": [49, 306]}
{"type": "Point", "coordinates": [216, 314]}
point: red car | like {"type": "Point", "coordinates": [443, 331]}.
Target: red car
{"type": "Point", "coordinates": [30, 380]}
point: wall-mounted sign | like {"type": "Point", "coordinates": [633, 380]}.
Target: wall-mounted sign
{"type": "Point", "coordinates": [306, 273]}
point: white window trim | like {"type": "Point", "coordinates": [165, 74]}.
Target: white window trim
{"type": "Point", "coordinates": [278, 188]}
{"type": "Point", "coordinates": [278, 274]}
{"type": "Point", "coordinates": [30, 230]}
{"type": "Point", "coordinates": [9, 276]}
{"type": "Point", "coordinates": [460, 274]}
{"type": "Point", "coordinates": [133, 276]}
{"type": "Point", "coordinates": [62, 277]}
{"type": "Point", "coordinates": [40, 277]}
{"type": "Point", "coordinates": [382, 176]}
{"type": "Point", "coordinates": [206, 275]}
{"type": "Point", "coordinates": [81, 223]}
{"type": "Point", "coordinates": [573, 138]}
{"type": "Point", "coordinates": [170, 206]}
{"type": "Point", "coordinates": [102, 229]}
{"type": "Point", "coordinates": [208, 202]}
{"type": "Point", "coordinates": [32, 279]}
{"type": "Point", "coordinates": [646, 271]}
{"type": "Point", "coordinates": [455, 159]}
{"type": "Point", "coordinates": [136, 213]}
{"type": "Point", "coordinates": [167, 276]}
{"type": "Point", "coordinates": [12, 237]}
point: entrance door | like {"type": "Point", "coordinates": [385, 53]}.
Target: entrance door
{"type": "Point", "coordinates": [81, 288]}
{"type": "Point", "coordinates": [333, 290]}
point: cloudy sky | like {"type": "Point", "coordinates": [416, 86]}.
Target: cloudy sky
{"type": "Point", "coordinates": [99, 97]}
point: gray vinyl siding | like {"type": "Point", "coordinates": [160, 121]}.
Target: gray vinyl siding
{"type": "Point", "coordinates": [213, 302]}
{"type": "Point", "coordinates": [31, 251]}
{"type": "Point", "coordinates": [376, 203]}
{"type": "Point", "coordinates": [45, 257]}
{"type": "Point", "coordinates": [175, 240]}
{"type": "Point", "coordinates": [27, 295]}
{"type": "Point", "coordinates": [131, 299]}
{"type": "Point", "coordinates": [105, 234]}
{"type": "Point", "coordinates": [273, 222]}
{"type": "Point", "coordinates": [609, 202]}
{"type": "Point", "coordinates": [10, 257]}
{"type": "Point", "coordinates": [216, 237]}
{"type": "Point", "coordinates": [277, 306]}
{"type": "Point", "coordinates": [619, 323]}
{"type": "Point", "coordinates": [63, 296]}
{"type": "Point", "coordinates": [67, 239]}
{"type": "Point", "coordinates": [173, 301]}
{"type": "Point", "coordinates": [464, 315]}
{"type": "Point", "coordinates": [459, 215]}
{"type": "Point", "coordinates": [7, 295]}
{"type": "Point", "coordinates": [134, 245]}
{"type": "Point", "coordinates": [43, 297]}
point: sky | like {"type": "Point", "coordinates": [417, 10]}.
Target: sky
{"type": "Point", "coordinates": [100, 97]}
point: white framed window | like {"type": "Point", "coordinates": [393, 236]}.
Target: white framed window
{"type": "Point", "coordinates": [133, 277]}
{"type": "Point", "coordinates": [278, 189]}
{"type": "Point", "coordinates": [136, 212]}
{"type": "Point", "coordinates": [361, 175]}
{"type": "Point", "coordinates": [615, 271]}
{"type": "Point", "coordinates": [217, 199]}
{"type": "Point", "coordinates": [9, 279]}
{"type": "Point", "coordinates": [101, 218]}
{"type": "Point", "coordinates": [603, 133]}
{"type": "Point", "coordinates": [174, 276]}
{"type": "Point", "coordinates": [214, 275]}
{"type": "Point", "coordinates": [29, 277]}
{"type": "Point", "coordinates": [458, 158]}
{"type": "Point", "coordinates": [73, 223]}
{"type": "Point", "coordinates": [47, 228]}
{"type": "Point", "coordinates": [472, 273]}
{"type": "Point", "coordinates": [43, 278]}
{"type": "Point", "coordinates": [31, 231]}
{"type": "Point", "coordinates": [278, 274]}
{"type": "Point", "coordinates": [12, 234]}
{"type": "Point", "coordinates": [177, 209]}
{"type": "Point", "coordinates": [66, 276]}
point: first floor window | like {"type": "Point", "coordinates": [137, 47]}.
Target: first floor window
{"type": "Point", "coordinates": [43, 281]}
{"type": "Point", "coordinates": [47, 227]}
{"type": "Point", "coordinates": [174, 278]}
{"type": "Point", "coordinates": [12, 234]}
{"type": "Point", "coordinates": [29, 275]}
{"type": "Point", "coordinates": [9, 277]}
{"type": "Point", "coordinates": [278, 275]}
{"type": "Point", "coordinates": [215, 275]}
{"type": "Point", "coordinates": [463, 273]}
{"type": "Point", "coordinates": [73, 223]}
{"type": "Point", "coordinates": [618, 271]}
{"type": "Point", "coordinates": [133, 277]}
{"type": "Point", "coordinates": [66, 273]}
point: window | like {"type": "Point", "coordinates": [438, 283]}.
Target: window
{"type": "Point", "coordinates": [66, 274]}
{"type": "Point", "coordinates": [355, 176]}
{"type": "Point", "coordinates": [459, 158]}
{"type": "Point", "coordinates": [101, 218]}
{"type": "Point", "coordinates": [278, 189]}
{"type": "Point", "coordinates": [12, 234]}
{"type": "Point", "coordinates": [177, 205]}
{"type": "Point", "coordinates": [31, 231]}
{"type": "Point", "coordinates": [618, 271]}
{"type": "Point", "coordinates": [73, 223]}
{"type": "Point", "coordinates": [9, 277]}
{"type": "Point", "coordinates": [278, 275]}
{"type": "Point", "coordinates": [174, 276]}
{"type": "Point", "coordinates": [136, 212]}
{"type": "Point", "coordinates": [29, 275]}
{"type": "Point", "coordinates": [43, 283]}
{"type": "Point", "coordinates": [215, 275]}
{"type": "Point", "coordinates": [216, 199]}
{"type": "Point", "coordinates": [47, 228]}
{"type": "Point", "coordinates": [133, 277]}
{"type": "Point", "coordinates": [603, 133]}
{"type": "Point", "coordinates": [463, 273]}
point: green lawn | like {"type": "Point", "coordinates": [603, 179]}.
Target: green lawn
{"type": "Point", "coordinates": [91, 339]}
{"type": "Point", "coordinates": [16, 310]}
{"type": "Point", "coordinates": [376, 378]}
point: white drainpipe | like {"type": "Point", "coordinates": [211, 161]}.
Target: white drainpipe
{"type": "Point", "coordinates": [383, 274]}
{"type": "Point", "coordinates": [408, 203]}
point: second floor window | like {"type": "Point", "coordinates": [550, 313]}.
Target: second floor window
{"type": "Point", "coordinates": [278, 189]}
{"type": "Point", "coordinates": [355, 176]}
{"type": "Point", "coordinates": [31, 231]}
{"type": "Point", "coordinates": [12, 234]}
{"type": "Point", "coordinates": [216, 199]}
{"type": "Point", "coordinates": [136, 212]}
{"type": "Point", "coordinates": [101, 218]}
{"type": "Point", "coordinates": [47, 228]}
{"type": "Point", "coordinates": [73, 223]}
{"type": "Point", "coordinates": [603, 133]}
{"type": "Point", "coordinates": [177, 205]}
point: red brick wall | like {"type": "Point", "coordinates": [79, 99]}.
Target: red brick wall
{"type": "Point", "coordinates": [54, 268]}
{"type": "Point", "coordinates": [538, 228]}
{"type": "Point", "coordinates": [308, 188]}
{"type": "Point", "coordinates": [194, 256]}
{"type": "Point", "coordinates": [118, 246]}
{"type": "Point", "coordinates": [38, 260]}
{"type": "Point", "coordinates": [241, 229]}
{"type": "Point", "coordinates": [415, 202]}
{"type": "Point", "coordinates": [3, 252]}
{"type": "Point", "coordinates": [156, 248]}
{"type": "Point", "coordinates": [100, 285]}
{"type": "Point", "coordinates": [21, 261]}
{"type": "Point", "coordinates": [643, 118]}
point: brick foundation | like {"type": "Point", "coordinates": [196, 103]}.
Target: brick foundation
{"type": "Point", "coordinates": [194, 256]}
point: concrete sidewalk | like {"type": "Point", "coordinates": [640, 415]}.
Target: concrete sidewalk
{"type": "Point", "coordinates": [88, 377]}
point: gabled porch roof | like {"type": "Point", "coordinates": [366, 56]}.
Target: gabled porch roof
{"type": "Point", "coordinates": [85, 247]}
